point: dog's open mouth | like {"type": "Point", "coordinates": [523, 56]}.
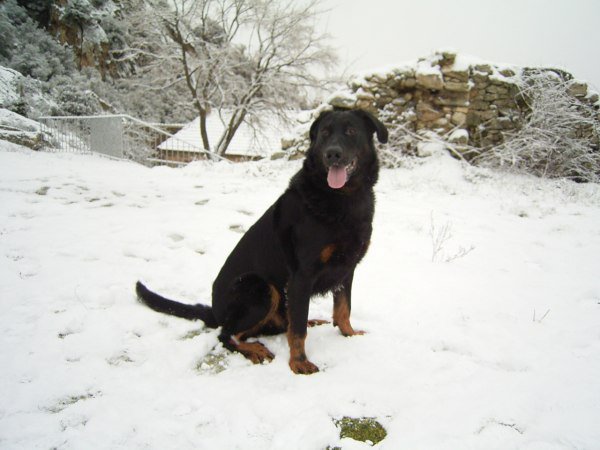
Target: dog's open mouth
{"type": "Point", "coordinates": [337, 176]}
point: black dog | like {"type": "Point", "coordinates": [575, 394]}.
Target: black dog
{"type": "Point", "coordinates": [309, 242]}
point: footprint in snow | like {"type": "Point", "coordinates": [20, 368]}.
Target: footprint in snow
{"type": "Point", "coordinates": [237, 228]}
{"type": "Point", "coordinates": [43, 190]}
{"type": "Point", "coordinates": [120, 358]}
{"type": "Point", "coordinates": [176, 237]}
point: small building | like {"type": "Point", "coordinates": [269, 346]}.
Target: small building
{"type": "Point", "coordinates": [248, 144]}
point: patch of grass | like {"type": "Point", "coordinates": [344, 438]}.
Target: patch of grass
{"type": "Point", "coordinates": [363, 429]}
{"type": "Point", "coordinates": [213, 363]}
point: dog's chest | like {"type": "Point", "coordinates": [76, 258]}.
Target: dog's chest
{"type": "Point", "coordinates": [345, 248]}
{"type": "Point", "coordinates": [338, 256]}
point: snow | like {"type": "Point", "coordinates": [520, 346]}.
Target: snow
{"type": "Point", "coordinates": [428, 67]}
{"type": "Point", "coordinates": [459, 135]}
{"type": "Point", "coordinates": [13, 120]}
{"type": "Point", "coordinates": [497, 349]}
{"type": "Point", "coordinates": [9, 79]}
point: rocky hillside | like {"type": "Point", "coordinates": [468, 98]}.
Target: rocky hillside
{"type": "Point", "coordinates": [83, 57]}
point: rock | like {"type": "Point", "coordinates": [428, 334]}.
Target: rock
{"type": "Point", "coordinates": [457, 86]}
{"type": "Point", "coordinates": [342, 99]}
{"type": "Point", "coordinates": [408, 83]}
{"type": "Point", "coordinates": [427, 113]}
{"type": "Point", "coordinates": [459, 118]}
{"type": "Point", "coordinates": [500, 123]}
{"type": "Point", "coordinates": [367, 105]}
{"type": "Point", "coordinates": [432, 81]}
{"type": "Point", "coordinates": [481, 79]}
{"type": "Point", "coordinates": [447, 58]}
{"type": "Point", "coordinates": [507, 73]}
{"type": "Point", "coordinates": [287, 142]}
{"type": "Point", "coordinates": [459, 137]}
{"type": "Point", "coordinates": [32, 140]}
{"type": "Point", "coordinates": [441, 122]}
{"type": "Point", "coordinates": [278, 155]}
{"type": "Point", "coordinates": [361, 94]}
{"type": "Point", "coordinates": [452, 99]}
{"type": "Point", "coordinates": [485, 68]}
{"type": "Point", "coordinates": [577, 88]}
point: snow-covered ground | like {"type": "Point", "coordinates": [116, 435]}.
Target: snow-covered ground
{"type": "Point", "coordinates": [497, 348]}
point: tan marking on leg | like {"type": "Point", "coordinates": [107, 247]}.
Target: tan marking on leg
{"type": "Point", "coordinates": [271, 314]}
{"type": "Point", "coordinates": [278, 321]}
{"type": "Point", "coordinates": [298, 361]}
{"type": "Point", "coordinates": [341, 314]}
{"type": "Point", "coordinates": [254, 351]}
{"type": "Point", "coordinates": [326, 253]}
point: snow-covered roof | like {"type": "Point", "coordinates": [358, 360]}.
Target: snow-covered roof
{"type": "Point", "coordinates": [247, 141]}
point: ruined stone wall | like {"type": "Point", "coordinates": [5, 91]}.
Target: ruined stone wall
{"type": "Point", "coordinates": [443, 93]}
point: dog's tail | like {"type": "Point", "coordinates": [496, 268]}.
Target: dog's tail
{"type": "Point", "coordinates": [163, 305]}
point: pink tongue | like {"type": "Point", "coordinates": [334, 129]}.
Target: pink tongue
{"type": "Point", "coordinates": [336, 178]}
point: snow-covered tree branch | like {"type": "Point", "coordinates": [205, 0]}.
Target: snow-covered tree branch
{"type": "Point", "coordinates": [242, 56]}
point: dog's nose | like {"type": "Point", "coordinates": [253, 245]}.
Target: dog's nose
{"type": "Point", "coordinates": [333, 155]}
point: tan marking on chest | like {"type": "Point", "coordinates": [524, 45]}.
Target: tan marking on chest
{"type": "Point", "coordinates": [326, 253]}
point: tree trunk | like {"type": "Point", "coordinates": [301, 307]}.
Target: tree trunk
{"type": "Point", "coordinates": [203, 132]}
{"type": "Point", "coordinates": [234, 123]}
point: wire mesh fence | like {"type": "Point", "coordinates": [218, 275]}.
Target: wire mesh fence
{"type": "Point", "coordinates": [120, 136]}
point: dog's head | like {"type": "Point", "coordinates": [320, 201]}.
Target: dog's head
{"type": "Point", "coordinates": [341, 147]}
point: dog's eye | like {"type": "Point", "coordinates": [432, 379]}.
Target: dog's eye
{"type": "Point", "coordinates": [350, 131]}
{"type": "Point", "coordinates": [324, 133]}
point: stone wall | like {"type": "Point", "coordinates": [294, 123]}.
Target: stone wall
{"type": "Point", "coordinates": [444, 93]}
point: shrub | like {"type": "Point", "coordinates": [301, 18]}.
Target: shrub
{"type": "Point", "coordinates": [560, 136]}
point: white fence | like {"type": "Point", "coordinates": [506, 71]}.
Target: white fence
{"type": "Point", "coordinates": [120, 136]}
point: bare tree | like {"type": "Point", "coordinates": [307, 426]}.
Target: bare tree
{"type": "Point", "coordinates": [236, 57]}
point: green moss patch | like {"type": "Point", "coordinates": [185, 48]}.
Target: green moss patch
{"type": "Point", "coordinates": [363, 429]}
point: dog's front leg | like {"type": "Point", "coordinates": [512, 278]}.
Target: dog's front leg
{"type": "Point", "coordinates": [342, 304]}
{"type": "Point", "coordinates": [298, 294]}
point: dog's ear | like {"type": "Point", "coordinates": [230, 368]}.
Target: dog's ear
{"type": "Point", "coordinates": [374, 125]}
{"type": "Point", "coordinates": [314, 128]}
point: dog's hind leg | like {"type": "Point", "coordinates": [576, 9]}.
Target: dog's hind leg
{"type": "Point", "coordinates": [253, 304]}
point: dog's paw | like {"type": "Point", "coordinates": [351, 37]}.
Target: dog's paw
{"type": "Point", "coordinates": [354, 333]}
{"type": "Point", "coordinates": [303, 367]}
{"type": "Point", "coordinates": [347, 330]}
{"type": "Point", "coordinates": [255, 352]}
{"type": "Point", "coordinates": [317, 322]}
